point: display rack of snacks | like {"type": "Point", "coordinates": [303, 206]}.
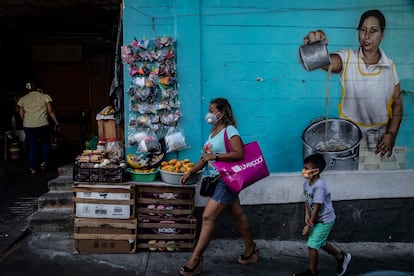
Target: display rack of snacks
{"type": "Point", "coordinates": [166, 219]}
{"type": "Point", "coordinates": [165, 201]}
{"type": "Point", "coordinates": [166, 234]}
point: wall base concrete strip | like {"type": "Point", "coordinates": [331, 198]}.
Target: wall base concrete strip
{"type": "Point", "coordinates": [344, 185]}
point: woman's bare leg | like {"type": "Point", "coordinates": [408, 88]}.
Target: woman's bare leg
{"type": "Point", "coordinates": [210, 214]}
{"type": "Point", "coordinates": [243, 225]}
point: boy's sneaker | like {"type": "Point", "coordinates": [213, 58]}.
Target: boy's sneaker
{"type": "Point", "coordinates": [343, 264]}
{"type": "Point", "coordinates": [306, 273]}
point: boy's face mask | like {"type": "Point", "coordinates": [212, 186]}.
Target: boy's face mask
{"type": "Point", "coordinates": [211, 118]}
{"type": "Point", "coordinates": [309, 173]}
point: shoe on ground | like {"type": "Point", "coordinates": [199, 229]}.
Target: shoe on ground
{"type": "Point", "coordinates": [307, 272]}
{"type": "Point", "coordinates": [343, 264]}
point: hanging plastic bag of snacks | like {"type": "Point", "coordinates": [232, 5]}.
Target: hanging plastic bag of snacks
{"type": "Point", "coordinates": [175, 139]}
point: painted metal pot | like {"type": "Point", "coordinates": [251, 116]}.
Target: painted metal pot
{"type": "Point", "coordinates": [314, 55]}
{"type": "Point", "coordinates": [336, 139]}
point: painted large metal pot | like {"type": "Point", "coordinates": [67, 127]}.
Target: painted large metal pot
{"type": "Point", "coordinates": [336, 139]}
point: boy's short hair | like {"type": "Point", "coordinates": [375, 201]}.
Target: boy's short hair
{"type": "Point", "coordinates": [317, 160]}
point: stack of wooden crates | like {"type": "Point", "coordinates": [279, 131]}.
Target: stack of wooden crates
{"type": "Point", "coordinates": [104, 218]}
{"type": "Point", "coordinates": [104, 206]}
{"type": "Point", "coordinates": [129, 217]}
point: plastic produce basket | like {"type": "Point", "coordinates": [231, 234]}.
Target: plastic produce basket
{"type": "Point", "coordinates": [174, 178]}
{"type": "Point", "coordinates": [141, 176]}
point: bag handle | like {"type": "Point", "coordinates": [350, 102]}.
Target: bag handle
{"type": "Point", "coordinates": [227, 141]}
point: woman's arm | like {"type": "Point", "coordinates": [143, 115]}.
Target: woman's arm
{"type": "Point", "coordinates": [236, 153]}
{"type": "Point", "coordinates": [52, 114]}
{"type": "Point", "coordinates": [21, 112]}
{"type": "Point", "coordinates": [387, 141]}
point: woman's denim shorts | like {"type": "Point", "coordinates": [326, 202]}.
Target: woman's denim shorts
{"type": "Point", "coordinates": [222, 194]}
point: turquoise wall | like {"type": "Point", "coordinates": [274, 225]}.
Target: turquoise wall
{"type": "Point", "coordinates": [247, 51]}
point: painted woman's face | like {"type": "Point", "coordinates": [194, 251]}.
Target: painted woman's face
{"type": "Point", "coordinates": [370, 34]}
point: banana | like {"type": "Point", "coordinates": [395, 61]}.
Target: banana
{"type": "Point", "coordinates": [108, 110]}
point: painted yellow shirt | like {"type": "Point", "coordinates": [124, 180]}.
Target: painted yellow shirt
{"type": "Point", "coordinates": [367, 92]}
{"type": "Point", "coordinates": [35, 109]}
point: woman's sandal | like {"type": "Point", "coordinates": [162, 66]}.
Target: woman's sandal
{"type": "Point", "coordinates": [192, 271]}
{"type": "Point", "coordinates": [253, 257]}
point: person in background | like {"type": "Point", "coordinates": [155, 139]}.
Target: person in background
{"type": "Point", "coordinates": [319, 217]}
{"type": "Point", "coordinates": [220, 116]}
{"type": "Point", "coordinates": [34, 109]}
{"type": "Point", "coordinates": [371, 96]}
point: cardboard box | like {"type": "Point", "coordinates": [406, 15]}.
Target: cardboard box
{"type": "Point", "coordinates": [95, 236]}
{"type": "Point", "coordinates": [104, 201]}
{"type": "Point", "coordinates": [90, 210]}
{"type": "Point", "coordinates": [107, 129]}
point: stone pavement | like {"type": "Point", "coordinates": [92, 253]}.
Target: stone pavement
{"type": "Point", "coordinates": [52, 254]}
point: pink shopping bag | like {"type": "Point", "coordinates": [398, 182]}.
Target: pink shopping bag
{"type": "Point", "coordinates": [241, 174]}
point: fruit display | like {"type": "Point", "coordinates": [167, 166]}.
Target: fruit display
{"type": "Point", "coordinates": [177, 166]}
{"type": "Point", "coordinates": [171, 171]}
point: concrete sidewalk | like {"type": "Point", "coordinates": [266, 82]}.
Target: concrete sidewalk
{"type": "Point", "coordinates": [52, 254]}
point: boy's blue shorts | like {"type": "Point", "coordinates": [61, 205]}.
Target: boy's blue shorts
{"type": "Point", "coordinates": [319, 234]}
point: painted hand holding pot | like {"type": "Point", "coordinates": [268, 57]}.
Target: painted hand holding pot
{"type": "Point", "coordinates": [314, 55]}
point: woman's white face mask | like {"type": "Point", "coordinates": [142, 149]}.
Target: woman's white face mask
{"type": "Point", "coordinates": [211, 118]}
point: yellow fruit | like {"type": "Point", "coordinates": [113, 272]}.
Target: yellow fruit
{"type": "Point", "coordinates": [164, 163]}
{"type": "Point", "coordinates": [186, 160]}
{"type": "Point", "coordinates": [182, 170]}
{"type": "Point", "coordinates": [178, 164]}
{"type": "Point", "coordinates": [172, 161]}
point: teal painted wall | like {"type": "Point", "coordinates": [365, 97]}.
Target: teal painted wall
{"type": "Point", "coordinates": [224, 47]}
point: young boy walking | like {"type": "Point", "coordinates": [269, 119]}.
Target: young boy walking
{"type": "Point", "coordinates": [319, 217]}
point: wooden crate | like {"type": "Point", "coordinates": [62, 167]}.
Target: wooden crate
{"type": "Point", "coordinates": [110, 201]}
{"type": "Point", "coordinates": [165, 201]}
{"type": "Point", "coordinates": [103, 236]}
{"type": "Point", "coordinates": [160, 234]}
